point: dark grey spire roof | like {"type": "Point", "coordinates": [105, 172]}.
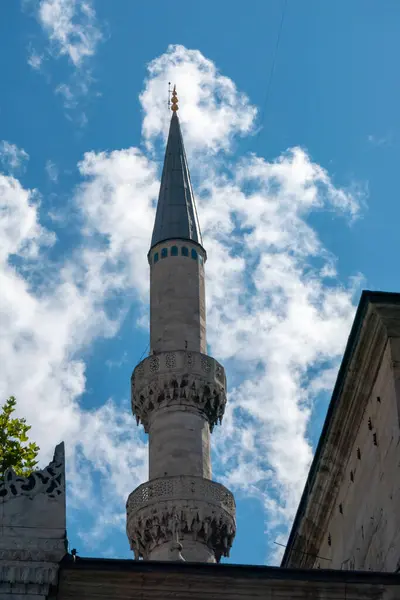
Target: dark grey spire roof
{"type": "Point", "coordinates": [176, 215]}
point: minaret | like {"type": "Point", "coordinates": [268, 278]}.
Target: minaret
{"type": "Point", "coordinates": [178, 392]}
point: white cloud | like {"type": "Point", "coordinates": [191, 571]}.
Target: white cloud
{"type": "Point", "coordinates": [12, 158]}
{"type": "Point", "coordinates": [211, 109]}
{"type": "Point", "coordinates": [20, 231]}
{"type": "Point", "coordinates": [277, 315]}
{"type": "Point", "coordinates": [71, 27]}
{"type": "Point", "coordinates": [276, 312]}
{"type": "Point", "coordinates": [35, 60]}
{"type": "Point", "coordinates": [44, 329]}
{"type": "Point", "coordinates": [274, 315]}
{"type": "Point", "coordinates": [52, 171]}
{"type": "Point", "coordinates": [72, 31]}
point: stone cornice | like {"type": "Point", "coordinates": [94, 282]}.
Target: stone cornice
{"type": "Point", "coordinates": [375, 323]}
{"type": "Point", "coordinates": [190, 379]}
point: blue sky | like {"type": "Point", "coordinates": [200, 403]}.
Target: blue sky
{"type": "Point", "coordinates": [297, 199]}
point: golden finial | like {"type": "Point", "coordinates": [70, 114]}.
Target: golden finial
{"type": "Point", "coordinates": [174, 100]}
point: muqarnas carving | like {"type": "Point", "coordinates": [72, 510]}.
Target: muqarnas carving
{"type": "Point", "coordinates": [186, 378]}
{"type": "Point", "coordinates": [205, 511]}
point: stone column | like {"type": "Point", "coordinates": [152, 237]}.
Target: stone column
{"type": "Point", "coordinates": [179, 397]}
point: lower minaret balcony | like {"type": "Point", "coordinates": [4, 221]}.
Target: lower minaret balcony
{"type": "Point", "coordinates": [190, 510]}
{"type": "Point", "coordinates": [180, 378]}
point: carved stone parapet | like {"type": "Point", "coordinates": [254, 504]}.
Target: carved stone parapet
{"type": "Point", "coordinates": [179, 378]}
{"type": "Point", "coordinates": [49, 481]}
{"type": "Point", "coordinates": [205, 510]}
{"type": "Point", "coordinates": [32, 524]}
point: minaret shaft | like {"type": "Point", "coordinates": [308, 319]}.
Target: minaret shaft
{"type": "Point", "coordinates": [179, 392]}
{"type": "Point", "coordinates": [177, 297]}
{"type": "Point", "coordinates": [179, 444]}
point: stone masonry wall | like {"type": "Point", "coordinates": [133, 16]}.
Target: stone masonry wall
{"type": "Point", "coordinates": [363, 532]}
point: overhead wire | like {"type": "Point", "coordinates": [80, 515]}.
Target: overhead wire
{"type": "Point", "coordinates": [269, 80]}
{"type": "Point", "coordinates": [273, 64]}
{"type": "Point", "coordinates": [144, 352]}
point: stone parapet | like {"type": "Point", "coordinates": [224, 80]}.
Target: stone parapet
{"type": "Point", "coordinates": [33, 535]}
{"type": "Point", "coordinates": [192, 508]}
{"type": "Point", "coordinates": [183, 378]}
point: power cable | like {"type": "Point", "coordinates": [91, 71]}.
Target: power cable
{"type": "Point", "coordinates": [274, 57]}
{"type": "Point", "coordinates": [144, 352]}
{"type": "Point", "coordinates": [269, 83]}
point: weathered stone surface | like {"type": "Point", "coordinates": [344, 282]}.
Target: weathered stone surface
{"type": "Point", "coordinates": [36, 502]}
{"type": "Point", "coordinates": [179, 443]}
{"type": "Point", "coordinates": [179, 394]}
{"type": "Point", "coordinates": [179, 378]}
{"type": "Point", "coordinates": [33, 536]}
{"type": "Point", "coordinates": [204, 511]}
{"type": "Point", "coordinates": [92, 579]}
{"type": "Point", "coordinates": [25, 546]}
{"type": "Point", "coordinates": [177, 299]}
{"type": "Point", "coordinates": [351, 519]}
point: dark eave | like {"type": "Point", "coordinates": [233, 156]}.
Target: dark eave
{"type": "Point", "coordinates": [250, 572]}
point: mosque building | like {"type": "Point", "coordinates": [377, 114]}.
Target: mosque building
{"type": "Point", "coordinates": [345, 539]}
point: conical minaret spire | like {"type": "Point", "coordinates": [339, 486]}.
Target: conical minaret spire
{"type": "Point", "coordinates": [179, 392]}
{"type": "Point", "coordinates": [176, 216]}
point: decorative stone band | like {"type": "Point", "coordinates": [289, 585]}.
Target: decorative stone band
{"type": "Point", "coordinates": [42, 574]}
{"type": "Point", "coordinates": [180, 378]}
{"type": "Point", "coordinates": [205, 510]}
{"type": "Point", "coordinates": [24, 548]}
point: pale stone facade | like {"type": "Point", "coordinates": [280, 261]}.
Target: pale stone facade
{"type": "Point", "coordinates": [179, 392]}
{"type": "Point", "coordinates": [177, 298]}
{"type": "Point", "coordinates": [350, 512]}
{"type": "Point", "coordinates": [32, 531]}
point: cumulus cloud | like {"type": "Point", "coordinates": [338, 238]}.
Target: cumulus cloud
{"type": "Point", "coordinates": [20, 231]}
{"type": "Point", "coordinates": [44, 329]}
{"type": "Point", "coordinates": [213, 110]}
{"type": "Point", "coordinates": [278, 316]}
{"type": "Point", "coordinates": [71, 27]}
{"type": "Point", "coordinates": [72, 31]}
{"type": "Point", "coordinates": [12, 158]}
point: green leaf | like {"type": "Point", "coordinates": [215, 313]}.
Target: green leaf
{"type": "Point", "coordinates": [15, 449]}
